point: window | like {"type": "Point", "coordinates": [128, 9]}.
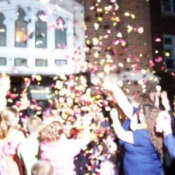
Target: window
{"type": "Point", "coordinates": [3, 61]}
{"type": "Point", "coordinates": [168, 41]}
{"type": "Point", "coordinates": [2, 31]}
{"type": "Point", "coordinates": [20, 29]}
{"type": "Point", "coordinates": [61, 62]}
{"type": "Point", "coordinates": [41, 31]}
{"type": "Point", "coordinates": [39, 62]}
{"type": "Point", "coordinates": [60, 34]}
{"type": "Point", "coordinates": [21, 62]}
{"type": "Point", "coordinates": [169, 51]}
{"type": "Point", "coordinates": [168, 6]}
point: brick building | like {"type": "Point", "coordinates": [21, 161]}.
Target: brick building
{"type": "Point", "coordinates": [38, 38]}
{"type": "Point", "coordinates": [163, 41]}
{"type": "Point", "coordinates": [122, 33]}
{"type": "Point", "coordinates": [125, 18]}
{"type": "Point", "coordinates": [117, 35]}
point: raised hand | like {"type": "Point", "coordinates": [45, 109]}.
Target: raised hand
{"type": "Point", "coordinates": [163, 123]}
{"type": "Point", "coordinates": [165, 100]}
{"type": "Point", "coordinates": [108, 83]}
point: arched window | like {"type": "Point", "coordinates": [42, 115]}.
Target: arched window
{"type": "Point", "coordinates": [41, 31]}
{"type": "Point", "coordinates": [2, 30]}
{"type": "Point", "coordinates": [20, 29]}
{"type": "Point", "coordinates": [60, 34]}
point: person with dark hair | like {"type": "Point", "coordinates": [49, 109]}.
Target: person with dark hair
{"type": "Point", "coordinates": [143, 146]}
{"type": "Point", "coordinates": [127, 106]}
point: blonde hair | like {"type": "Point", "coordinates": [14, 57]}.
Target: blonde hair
{"type": "Point", "coordinates": [51, 132]}
{"type": "Point", "coordinates": [6, 120]}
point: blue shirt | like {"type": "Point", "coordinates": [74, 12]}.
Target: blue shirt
{"type": "Point", "coordinates": [126, 126]}
{"type": "Point", "coordinates": [141, 158]}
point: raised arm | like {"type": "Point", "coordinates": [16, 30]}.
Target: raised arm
{"type": "Point", "coordinates": [119, 96]}
{"type": "Point", "coordinates": [122, 134]}
{"type": "Point", "coordinates": [164, 123]}
{"type": "Point", "coordinates": [165, 101]}
{"type": "Point", "coordinates": [154, 96]}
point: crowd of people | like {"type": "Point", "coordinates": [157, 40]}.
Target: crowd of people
{"type": "Point", "coordinates": [93, 130]}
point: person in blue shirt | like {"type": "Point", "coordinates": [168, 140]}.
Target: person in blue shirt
{"type": "Point", "coordinates": [142, 145]}
{"type": "Point", "coordinates": [129, 107]}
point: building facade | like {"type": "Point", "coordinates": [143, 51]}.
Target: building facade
{"type": "Point", "coordinates": [39, 38]}
{"type": "Point", "coordinates": [163, 41]}
{"type": "Point", "coordinates": [54, 37]}
{"type": "Point", "coordinates": [118, 37]}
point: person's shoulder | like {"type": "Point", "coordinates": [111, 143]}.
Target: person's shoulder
{"type": "Point", "coordinates": [16, 135]}
{"type": "Point", "coordinates": [74, 140]}
{"type": "Point", "coordinates": [28, 141]}
{"type": "Point", "coordinates": [19, 133]}
{"type": "Point", "coordinates": [141, 133]}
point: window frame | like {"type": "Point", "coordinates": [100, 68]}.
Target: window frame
{"type": "Point", "coordinates": [41, 23]}
{"type": "Point", "coordinates": [16, 59]}
{"type": "Point", "coordinates": [60, 62]}
{"type": "Point", "coordinates": [170, 47]}
{"type": "Point", "coordinates": [172, 8]}
{"type": "Point", "coordinates": [5, 61]}
{"type": "Point", "coordinates": [3, 26]}
{"type": "Point", "coordinates": [41, 60]}
{"type": "Point", "coordinates": [23, 32]}
{"type": "Point", "coordinates": [30, 52]}
{"type": "Point", "coordinates": [58, 31]}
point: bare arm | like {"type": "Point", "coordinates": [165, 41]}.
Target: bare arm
{"type": "Point", "coordinates": [154, 96]}
{"type": "Point", "coordinates": [122, 134]}
{"type": "Point", "coordinates": [134, 122]}
{"type": "Point", "coordinates": [165, 101]}
{"type": "Point", "coordinates": [119, 96]}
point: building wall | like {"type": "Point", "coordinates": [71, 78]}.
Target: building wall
{"type": "Point", "coordinates": [139, 44]}
{"type": "Point", "coordinates": [162, 24]}
{"type": "Point", "coordinates": [158, 25]}
{"type": "Point", "coordinates": [138, 47]}
{"type": "Point", "coordinates": [114, 37]}
{"type": "Point", "coordinates": [111, 47]}
{"type": "Point", "coordinates": [134, 55]}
